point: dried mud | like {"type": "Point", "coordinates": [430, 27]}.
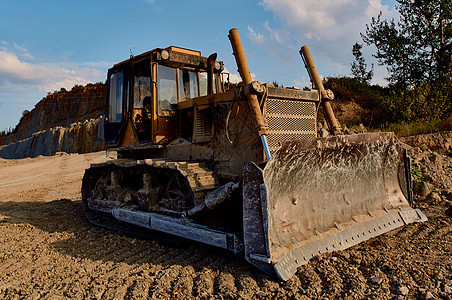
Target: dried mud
{"type": "Point", "coordinates": [48, 249]}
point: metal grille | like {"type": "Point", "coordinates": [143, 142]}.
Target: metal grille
{"type": "Point", "coordinates": [288, 124]}
{"type": "Point", "coordinates": [289, 120]}
{"type": "Point", "coordinates": [292, 108]}
{"type": "Point", "coordinates": [202, 131]}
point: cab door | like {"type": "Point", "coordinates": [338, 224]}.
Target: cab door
{"type": "Point", "coordinates": [166, 104]}
{"type": "Point", "coordinates": [116, 105]}
{"type": "Point", "coordinates": [141, 112]}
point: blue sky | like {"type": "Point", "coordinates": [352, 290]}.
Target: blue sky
{"type": "Point", "coordinates": [46, 45]}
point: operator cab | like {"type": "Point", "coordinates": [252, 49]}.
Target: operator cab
{"type": "Point", "coordinates": [145, 90]}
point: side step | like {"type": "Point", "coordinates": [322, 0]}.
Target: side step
{"type": "Point", "coordinates": [170, 225]}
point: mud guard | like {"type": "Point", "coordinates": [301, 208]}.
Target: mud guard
{"type": "Point", "coordinates": [279, 235]}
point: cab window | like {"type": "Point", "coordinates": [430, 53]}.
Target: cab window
{"type": "Point", "coordinates": [203, 83]}
{"type": "Point", "coordinates": [167, 91]}
{"type": "Point", "coordinates": [142, 83]}
{"type": "Point", "coordinates": [188, 84]}
{"type": "Point", "coordinates": [115, 97]}
{"type": "Point", "coordinates": [142, 100]}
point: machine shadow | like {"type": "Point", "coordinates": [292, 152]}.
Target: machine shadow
{"type": "Point", "coordinates": [94, 243]}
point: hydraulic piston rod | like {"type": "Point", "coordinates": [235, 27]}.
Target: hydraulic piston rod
{"type": "Point", "coordinates": [253, 102]}
{"type": "Point", "coordinates": [333, 124]}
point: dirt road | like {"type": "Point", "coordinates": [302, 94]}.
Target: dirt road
{"type": "Point", "coordinates": [48, 250]}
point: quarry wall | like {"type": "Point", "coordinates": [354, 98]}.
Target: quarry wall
{"type": "Point", "coordinates": [63, 121]}
{"type": "Point", "coordinates": [80, 137]}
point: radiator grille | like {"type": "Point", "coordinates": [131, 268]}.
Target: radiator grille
{"type": "Point", "coordinates": [290, 108]}
{"type": "Point", "coordinates": [202, 131]}
{"type": "Point", "coordinates": [289, 120]}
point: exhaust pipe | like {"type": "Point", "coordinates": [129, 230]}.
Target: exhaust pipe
{"type": "Point", "coordinates": [210, 65]}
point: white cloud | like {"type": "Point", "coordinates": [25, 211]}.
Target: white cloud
{"type": "Point", "coordinates": [28, 56]}
{"type": "Point", "coordinates": [22, 49]}
{"type": "Point", "coordinates": [255, 36]}
{"type": "Point", "coordinates": [329, 27]}
{"type": "Point", "coordinates": [23, 84]}
{"type": "Point", "coordinates": [25, 53]}
{"type": "Point", "coordinates": [304, 82]}
{"type": "Point", "coordinates": [272, 41]}
{"type": "Point", "coordinates": [43, 77]}
{"type": "Point", "coordinates": [233, 78]}
{"type": "Point", "coordinates": [275, 36]}
{"type": "Point", "coordinates": [325, 19]}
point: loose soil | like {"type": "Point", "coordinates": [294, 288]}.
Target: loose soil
{"type": "Point", "coordinates": [49, 250]}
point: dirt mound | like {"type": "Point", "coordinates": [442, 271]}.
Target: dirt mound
{"type": "Point", "coordinates": [440, 142]}
{"type": "Point", "coordinates": [49, 250]}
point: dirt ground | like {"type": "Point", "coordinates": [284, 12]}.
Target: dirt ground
{"type": "Point", "coordinates": [48, 249]}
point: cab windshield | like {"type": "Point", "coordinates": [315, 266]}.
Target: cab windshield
{"type": "Point", "coordinates": [191, 84]}
{"type": "Point", "coordinates": [167, 91]}
{"type": "Point", "coordinates": [142, 83]}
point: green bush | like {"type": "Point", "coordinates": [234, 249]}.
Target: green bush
{"type": "Point", "coordinates": [426, 107]}
{"type": "Point", "coordinates": [405, 128]}
{"type": "Point", "coordinates": [426, 101]}
{"type": "Point", "coordinates": [346, 88]}
{"type": "Point", "coordinates": [5, 132]}
{"type": "Point", "coordinates": [370, 97]}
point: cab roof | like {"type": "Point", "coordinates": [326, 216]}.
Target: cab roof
{"type": "Point", "coordinates": [173, 56]}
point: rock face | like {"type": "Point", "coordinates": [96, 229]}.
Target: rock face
{"type": "Point", "coordinates": [80, 137]}
{"type": "Point", "coordinates": [65, 121]}
{"type": "Point", "coordinates": [62, 109]}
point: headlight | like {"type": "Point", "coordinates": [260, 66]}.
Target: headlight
{"type": "Point", "coordinates": [217, 66]}
{"type": "Point", "coordinates": [165, 54]}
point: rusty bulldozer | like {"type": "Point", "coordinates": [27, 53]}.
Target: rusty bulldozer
{"type": "Point", "coordinates": [241, 168]}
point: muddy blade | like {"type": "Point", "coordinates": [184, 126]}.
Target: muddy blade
{"type": "Point", "coordinates": [322, 195]}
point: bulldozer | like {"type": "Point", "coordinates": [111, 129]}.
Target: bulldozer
{"type": "Point", "coordinates": [241, 167]}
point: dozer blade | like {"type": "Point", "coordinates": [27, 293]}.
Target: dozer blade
{"type": "Point", "coordinates": [322, 195]}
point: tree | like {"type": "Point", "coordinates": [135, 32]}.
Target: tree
{"type": "Point", "coordinates": [276, 84]}
{"type": "Point", "coordinates": [418, 46]}
{"type": "Point", "coordinates": [359, 66]}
